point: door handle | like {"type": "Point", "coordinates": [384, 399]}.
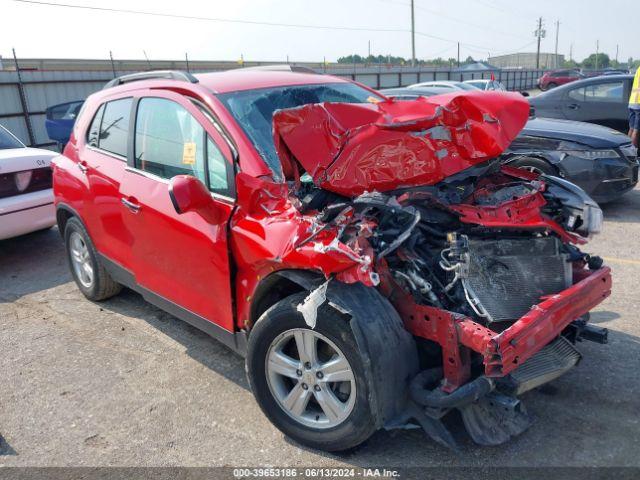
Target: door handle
{"type": "Point", "coordinates": [82, 165]}
{"type": "Point", "coordinates": [134, 207]}
{"type": "Point", "coordinates": [573, 106]}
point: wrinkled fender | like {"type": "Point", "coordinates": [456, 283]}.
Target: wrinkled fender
{"type": "Point", "coordinates": [388, 351]}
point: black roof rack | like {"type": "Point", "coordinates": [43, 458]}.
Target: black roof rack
{"type": "Point", "coordinates": [166, 74]}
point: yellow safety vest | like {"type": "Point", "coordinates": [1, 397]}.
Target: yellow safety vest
{"type": "Point", "coordinates": [634, 99]}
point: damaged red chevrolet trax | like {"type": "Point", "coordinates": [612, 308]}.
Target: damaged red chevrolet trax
{"type": "Point", "coordinates": [372, 259]}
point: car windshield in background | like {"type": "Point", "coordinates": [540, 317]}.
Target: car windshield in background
{"type": "Point", "coordinates": [467, 86]}
{"type": "Point", "coordinates": [8, 141]}
{"type": "Point", "coordinates": [253, 110]}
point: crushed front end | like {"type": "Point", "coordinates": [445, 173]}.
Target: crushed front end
{"type": "Point", "coordinates": [481, 261]}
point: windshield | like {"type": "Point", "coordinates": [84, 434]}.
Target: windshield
{"type": "Point", "coordinates": [8, 141]}
{"type": "Point", "coordinates": [253, 110]}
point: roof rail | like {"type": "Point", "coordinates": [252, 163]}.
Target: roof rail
{"type": "Point", "coordinates": [282, 68]}
{"type": "Point", "coordinates": [166, 74]}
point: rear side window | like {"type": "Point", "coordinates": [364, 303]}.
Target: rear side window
{"type": "Point", "coordinates": [599, 92]}
{"type": "Point", "coordinates": [94, 129]}
{"type": "Point", "coordinates": [114, 129]}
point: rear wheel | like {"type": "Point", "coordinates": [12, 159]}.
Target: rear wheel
{"type": "Point", "coordinates": [90, 276]}
{"type": "Point", "coordinates": [535, 165]}
{"type": "Point", "coordinates": [311, 383]}
{"type": "Point", "coordinates": [551, 85]}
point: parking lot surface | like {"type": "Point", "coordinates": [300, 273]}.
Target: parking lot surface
{"type": "Point", "coordinates": [123, 383]}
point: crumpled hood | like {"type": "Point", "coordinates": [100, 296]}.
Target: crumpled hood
{"type": "Point", "coordinates": [352, 148]}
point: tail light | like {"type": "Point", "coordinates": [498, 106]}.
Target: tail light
{"type": "Point", "coordinates": [26, 181]}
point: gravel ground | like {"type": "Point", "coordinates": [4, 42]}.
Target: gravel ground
{"type": "Point", "coordinates": [123, 383]}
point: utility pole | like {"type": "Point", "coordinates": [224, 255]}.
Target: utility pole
{"type": "Point", "coordinates": [186, 57]}
{"type": "Point", "coordinates": [597, 52]}
{"type": "Point", "coordinates": [617, 48]}
{"type": "Point", "coordinates": [113, 67]}
{"type": "Point", "coordinates": [413, 36]}
{"type": "Point", "coordinates": [555, 61]}
{"type": "Point", "coordinates": [571, 52]}
{"type": "Point", "coordinates": [540, 33]}
{"type": "Point", "coordinates": [458, 54]}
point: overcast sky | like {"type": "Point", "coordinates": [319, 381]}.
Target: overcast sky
{"type": "Point", "coordinates": [482, 27]}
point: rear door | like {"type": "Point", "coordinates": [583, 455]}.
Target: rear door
{"type": "Point", "coordinates": [102, 159]}
{"type": "Point", "coordinates": [601, 102]}
{"type": "Point", "coordinates": [179, 257]}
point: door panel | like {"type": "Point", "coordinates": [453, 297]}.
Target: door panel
{"type": "Point", "coordinates": [102, 212]}
{"type": "Point", "coordinates": [180, 257]}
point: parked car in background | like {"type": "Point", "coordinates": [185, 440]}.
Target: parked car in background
{"type": "Point", "coordinates": [447, 84]}
{"type": "Point", "coordinates": [556, 78]}
{"type": "Point", "coordinates": [602, 100]}
{"type": "Point", "coordinates": [26, 197]}
{"type": "Point", "coordinates": [487, 84]}
{"type": "Point", "coordinates": [605, 71]}
{"type": "Point", "coordinates": [600, 160]}
{"type": "Point", "coordinates": [374, 260]}
{"type": "Point", "coordinates": [405, 93]}
{"type": "Point", "coordinates": [60, 119]}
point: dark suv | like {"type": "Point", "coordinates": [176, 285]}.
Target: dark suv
{"type": "Point", "coordinates": [371, 258]}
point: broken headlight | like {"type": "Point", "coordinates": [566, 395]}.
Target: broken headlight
{"type": "Point", "coordinates": [580, 212]}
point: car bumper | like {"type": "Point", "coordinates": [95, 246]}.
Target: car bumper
{"type": "Point", "coordinates": [502, 352]}
{"type": "Point", "coordinates": [604, 179]}
{"type": "Point", "coordinates": [26, 213]}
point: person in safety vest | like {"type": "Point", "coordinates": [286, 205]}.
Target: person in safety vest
{"type": "Point", "coordinates": [634, 109]}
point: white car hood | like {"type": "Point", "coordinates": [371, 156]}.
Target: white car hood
{"type": "Point", "coordinates": [19, 159]}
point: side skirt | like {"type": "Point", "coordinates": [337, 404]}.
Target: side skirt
{"type": "Point", "coordinates": [236, 341]}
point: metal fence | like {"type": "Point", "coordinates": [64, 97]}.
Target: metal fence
{"type": "Point", "coordinates": [25, 95]}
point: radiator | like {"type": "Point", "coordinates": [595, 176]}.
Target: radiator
{"type": "Point", "coordinates": [507, 277]}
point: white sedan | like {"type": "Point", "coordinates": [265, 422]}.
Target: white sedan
{"type": "Point", "coordinates": [26, 196]}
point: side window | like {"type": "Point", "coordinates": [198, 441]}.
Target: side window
{"type": "Point", "coordinates": [605, 92]}
{"type": "Point", "coordinates": [94, 128]}
{"type": "Point", "coordinates": [114, 129]}
{"type": "Point", "coordinates": [217, 168]}
{"type": "Point", "coordinates": [577, 94]}
{"type": "Point", "coordinates": [169, 141]}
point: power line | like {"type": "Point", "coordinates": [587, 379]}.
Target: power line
{"type": "Point", "coordinates": [209, 19]}
{"type": "Point", "coordinates": [453, 19]}
{"type": "Point", "coordinates": [248, 22]}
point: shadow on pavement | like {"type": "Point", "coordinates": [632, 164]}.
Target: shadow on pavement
{"type": "Point", "coordinates": [31, 263]}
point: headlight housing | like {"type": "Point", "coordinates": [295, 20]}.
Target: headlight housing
{"type": "Point", "coordinates": [629, 151]}
{"type": "Point", "coordinates": [22, 180]}
{"type": "Point", "coordinates": [592, 154]}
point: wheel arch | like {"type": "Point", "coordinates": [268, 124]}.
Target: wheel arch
{"type": "Point", "coordinates": [279, 285]}
{"type": "Point", "coordinates": [63, 213]}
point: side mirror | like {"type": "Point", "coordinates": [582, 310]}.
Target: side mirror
{"type": "Point", "coordinates": [524, 94]}
{"type": "Point", "coordinates": [188, 194]}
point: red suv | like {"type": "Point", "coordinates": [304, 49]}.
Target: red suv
{"type": "Point", "coordinates": [372, 259]}
{"type": "Point", "coordinates": [556, 78]}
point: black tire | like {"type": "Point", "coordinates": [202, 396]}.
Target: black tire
{"type": "Point", "coordinates": [103, 286]}
{"type": "Point", "coordinates": [283, 316]}
{"type": "Point", "coordinates": [535, 164]}
{"type": "Point", "coordinates": [551, 85]}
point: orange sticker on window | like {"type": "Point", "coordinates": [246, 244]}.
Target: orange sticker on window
{"type": "Point", "coordinates": [373, 99]}
{"type": "Point", "coordinates": [189, 153]}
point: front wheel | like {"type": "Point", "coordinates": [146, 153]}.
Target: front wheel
{"type": "Point", "coordinates": [311, 383]}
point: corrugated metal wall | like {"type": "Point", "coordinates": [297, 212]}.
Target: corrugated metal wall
{"type": "Point", "coordinates": [43, 89]}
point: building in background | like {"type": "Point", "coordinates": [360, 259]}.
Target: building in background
{"type": "Point", "coordinates": [527, 60]}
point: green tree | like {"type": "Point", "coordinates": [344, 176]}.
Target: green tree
{"type": "Point", "coordinates": [603, 61]}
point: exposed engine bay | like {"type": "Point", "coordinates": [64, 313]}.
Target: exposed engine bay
{"type": "Point", "coordinates": [480, 260]}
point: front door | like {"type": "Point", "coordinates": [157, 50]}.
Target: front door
{"type": "Point", "coordinates": [179, 257]}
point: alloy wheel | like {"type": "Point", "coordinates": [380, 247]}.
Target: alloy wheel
{"type": "Point", "coordinates": [310, 378]}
